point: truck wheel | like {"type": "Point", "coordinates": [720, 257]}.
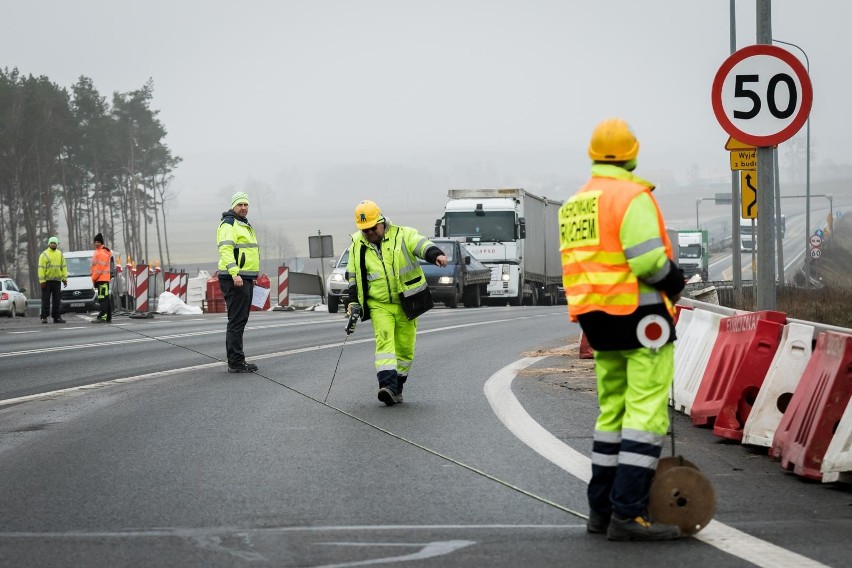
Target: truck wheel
{"type": "Point", "coordinates": [453, 302]}
{"type": "Point", "coordinates": [518, 300]}
{"type": "Point", "coordinates": [333, 303]}
{"type": "Point", "coordinates": [533, 298]}
{"type": "Point", "coordinates": [472, 299]}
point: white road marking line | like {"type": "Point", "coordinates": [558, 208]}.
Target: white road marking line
{"type": "Point", "coordinates": [498, 391]}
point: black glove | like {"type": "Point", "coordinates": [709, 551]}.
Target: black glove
{"type": "Point", "coordinates": [353, 310]}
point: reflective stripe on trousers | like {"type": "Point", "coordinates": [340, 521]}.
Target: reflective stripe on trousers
{"type": "Point", "coordinates": [633, 387]}
{"type": "Point", "coordinates": [395, 337]}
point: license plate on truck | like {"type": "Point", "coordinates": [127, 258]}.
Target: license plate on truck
{"type": "Point", "coordinates": [78, 305]}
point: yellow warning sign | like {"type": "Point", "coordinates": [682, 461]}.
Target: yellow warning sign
{"type": "Point", "coordinates": [734, 144]}
{"type": "Point", "coordinates": [743, 160]}
{"type": "Point", "coordinates": [748, 191]}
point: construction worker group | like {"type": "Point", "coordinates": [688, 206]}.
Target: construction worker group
{"type": "Point", "coordinates": [618, 274]}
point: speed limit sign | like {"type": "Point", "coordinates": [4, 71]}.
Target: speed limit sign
{"type": "Point", "coordinates": [762, 95]}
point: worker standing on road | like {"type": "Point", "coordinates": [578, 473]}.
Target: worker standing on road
{"type": "Point", "coordinates": [387, 284]}
{"type": "Point", "coordinates": [101, 274]}
{"type": "Point", "coordinates": [51, 272]}
{"type": "Point", "coordinates": [620, 280]}
{"type": "Point", "coordinates": [239, 266]}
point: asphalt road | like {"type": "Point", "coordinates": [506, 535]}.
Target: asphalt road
{"type": "Point", "coordinates": [130, 445]}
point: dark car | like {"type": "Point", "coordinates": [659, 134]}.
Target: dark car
{"type": "Point", "coordinates": [463, 279]}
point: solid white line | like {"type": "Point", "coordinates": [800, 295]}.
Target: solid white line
{"type": "Point", "coordinates": [498, 391]}
{"type": "Point", "coordinates": [19, 332]}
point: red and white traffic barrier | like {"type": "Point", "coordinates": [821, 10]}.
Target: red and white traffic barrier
{"type": "Point", "coordinates": [283, 286]}
{"type": "Point", "coordinates": [140, 290]}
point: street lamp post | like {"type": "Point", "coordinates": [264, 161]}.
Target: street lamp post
{"type": "Point", "coordinates": [697, 203]}
{"type": "Point", "coordinates": [807, 172]}
{"type": "Point", "coordinates": [830, 210]}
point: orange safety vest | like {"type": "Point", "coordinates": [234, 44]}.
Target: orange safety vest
{"type": "Point", "coordinates": [100, 265]}
{"type": "Point", "coordinates": [595, 272]}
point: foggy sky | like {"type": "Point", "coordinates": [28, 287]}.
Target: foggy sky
{"type": "Point", "coordinates": [314, 105]}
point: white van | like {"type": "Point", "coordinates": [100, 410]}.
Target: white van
{"type": "Point", "coordinates": [80, 294]}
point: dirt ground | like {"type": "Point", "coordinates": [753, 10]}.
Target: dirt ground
{"type": "Point", "coordinates": [565, 369]}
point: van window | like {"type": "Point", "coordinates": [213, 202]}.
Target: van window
{"type": "Point", "coordinates": [79, 266]}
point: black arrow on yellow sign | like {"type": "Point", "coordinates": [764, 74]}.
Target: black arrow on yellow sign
{"type": "Point", "coordinates": [748, 187]}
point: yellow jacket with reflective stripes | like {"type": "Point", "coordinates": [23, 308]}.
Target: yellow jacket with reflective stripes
{"type": "Point", "coordinates": [614, 245]}
{"type": "Point", "coordinates": [239, 254]}
{"type": "Point", "coordinates": [395, 271]}
{"type": "Point", "coordinates": [51, 266]}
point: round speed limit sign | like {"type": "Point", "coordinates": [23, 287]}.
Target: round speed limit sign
{"type": "Point", "coordinates": [762, 95]}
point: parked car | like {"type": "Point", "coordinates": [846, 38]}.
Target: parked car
{"type": "Point", "coordinates": [336, 286]}
{"type": "Point", "coordinates": [12, 299]}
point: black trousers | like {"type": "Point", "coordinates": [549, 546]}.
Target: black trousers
{"type": "Point", "coordinates": [105, 301]}
{"type": "Point", "coordinates": [50, 299]}
{"type": "Point", "coordinates": [238, 300]}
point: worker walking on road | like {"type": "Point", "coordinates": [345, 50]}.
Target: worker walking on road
{"type": "Point", "coordinates": [620, 280]}
{"type": "Point", "coordinates": [101, 274]}
{"type": "Point", "coordinates": [52, 272]}
{"type": "Point", "coordinates": [239, 266]}
{"type": "Point", "coordinates": [387, 284]}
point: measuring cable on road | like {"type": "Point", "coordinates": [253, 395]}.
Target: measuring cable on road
{"type": "Point", "coordinates": [379, 428]}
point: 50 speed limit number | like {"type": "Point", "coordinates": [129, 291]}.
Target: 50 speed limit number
{"type": "Point", "coordinates": [762, 95]}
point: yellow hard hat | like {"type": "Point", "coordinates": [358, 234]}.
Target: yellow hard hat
{"type": "Point", "coordinates": [367, 214]}
{"type": "Point", "coordinates": [613, 141]}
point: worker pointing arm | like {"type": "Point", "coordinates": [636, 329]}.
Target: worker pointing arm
{"type": "Point", "coordinates": [388, 285]}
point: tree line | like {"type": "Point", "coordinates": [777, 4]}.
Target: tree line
{"type": "Point", "coordinates": [69, 154]}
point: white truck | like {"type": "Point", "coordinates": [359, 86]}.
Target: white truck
{"type": "Point", "coordinates": [693, 254]}
{"type": "Point", "coordinates": [513, 232]}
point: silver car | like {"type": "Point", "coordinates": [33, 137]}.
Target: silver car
{"type": "Point", "coordinates": [12, 299]}
{"type": "Point", "coordinates": [336, 286]}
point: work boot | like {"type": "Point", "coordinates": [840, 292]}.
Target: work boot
{"type": "Point", "coordinates": [59, 320]}
{"type": "Point", "coordinates": [388, 397]}
{"type": "Point", "coordinates": [598, 522]}
{"type": "Point", "coordinates": [639, 528]}
{"type": "Point", "coordinates": [44, 319]}
{"type": "Point", "coordinates": [242, 367]}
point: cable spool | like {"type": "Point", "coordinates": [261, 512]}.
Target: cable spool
{"type": "Point", "coordinates": [681, 495]}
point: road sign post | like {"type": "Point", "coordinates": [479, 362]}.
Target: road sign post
{"type": "Point", "coordinates": [762, 95]}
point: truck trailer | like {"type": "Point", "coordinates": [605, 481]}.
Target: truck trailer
{"type": "Point", "coordinates": [513, 232]}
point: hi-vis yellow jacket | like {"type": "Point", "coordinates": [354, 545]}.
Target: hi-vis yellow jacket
{"type": "Point", "coordinates": [393, 272]}
{"type": "Point", "coordinates": [614, 245]}
{"type": "Point", "coordinates": [51, 266]}
{"type": "Point", "coordinates": [239, 254]}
